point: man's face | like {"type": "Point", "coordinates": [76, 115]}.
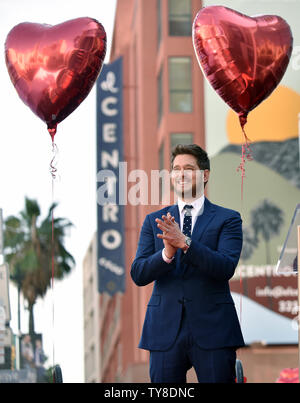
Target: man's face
{"type": "Point", "coordinates": [187, 178]}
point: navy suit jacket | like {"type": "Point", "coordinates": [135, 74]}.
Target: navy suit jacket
{"type": "Point", "coordinates": [199, 278]}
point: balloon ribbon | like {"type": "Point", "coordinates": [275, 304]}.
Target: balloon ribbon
{"type": "Point", "coordinates": [246, 151]}
{"type": "Point", "coordinates": [53, 171]}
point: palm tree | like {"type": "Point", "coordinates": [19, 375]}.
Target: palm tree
{"type": "Point", "coordinates": [29, 249]}
{"type": "Point", "coordinates": [267, 220]}
{"type": "Point", "coordinates": [249, 243]}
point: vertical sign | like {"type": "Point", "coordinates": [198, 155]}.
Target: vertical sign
{"type": "Point", "coordinates": [110, 212]}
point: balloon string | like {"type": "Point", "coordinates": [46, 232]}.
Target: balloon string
{"type": "Point", "coordinates": [53, 171]}
{"type": "Point", "coordinates": [241, 275]}
{"type": "Point", "coordinates": [246, 156]}
{"type": "Point", "coordinates": [241, 295]}
{"type": "Point", "coordinates": [239, 351]}
{"type": "Point", "coordinates": [52, 274]}
{"type": "Point", "coordinates": [54, 161]}
{"type": "Point", "coordinates": [246, 152]}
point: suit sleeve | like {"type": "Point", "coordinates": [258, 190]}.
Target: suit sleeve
{"type": "Point", "coordinates": [219, 264]}
{"type": "Point", "coordinates": [148, 264]}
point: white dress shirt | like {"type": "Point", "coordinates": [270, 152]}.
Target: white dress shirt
{"type": "Point", "coordinates": [195, 211]}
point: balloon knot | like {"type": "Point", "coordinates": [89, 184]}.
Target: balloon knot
{"type": "Point", "coordinates": [52, 132]}
{"type": "Point", "coordinates": [243, 118]}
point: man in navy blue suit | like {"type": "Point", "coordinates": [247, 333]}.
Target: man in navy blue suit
{"type": "Point", "coordinates": [190, 251]}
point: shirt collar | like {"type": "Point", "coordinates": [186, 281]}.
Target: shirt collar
{"type": "Point", "coordinates": [197, 205]}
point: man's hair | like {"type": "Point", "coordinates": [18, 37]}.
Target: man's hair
{"type": "Point", "coordinates": [193, 149]}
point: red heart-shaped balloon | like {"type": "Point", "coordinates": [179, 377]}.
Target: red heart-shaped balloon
{"type": "Point", "coordinates": [244, 58]}
{"type": "Point", "coordinates": [53, 68]}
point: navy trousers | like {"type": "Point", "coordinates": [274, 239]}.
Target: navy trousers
{"type": "Point", "coordinates": [211, 366]}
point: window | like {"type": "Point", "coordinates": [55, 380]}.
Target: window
{"type": "Point", "coordinates": [181, 138]}
{"type": "Point", "coordinates": [180, 84]}
{"type": "Point", "coordinates": [160, 95]}
{"type": "Point", "coordinates": [159, 22]}
{"type": "Point", "coordinates": [180, 18]}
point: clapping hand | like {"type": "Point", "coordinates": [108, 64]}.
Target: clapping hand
{"type": "Point", "coordinates": [172, 237]}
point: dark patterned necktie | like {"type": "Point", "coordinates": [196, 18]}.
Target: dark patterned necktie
{"type": "Point", "coordinates": [187, 221]}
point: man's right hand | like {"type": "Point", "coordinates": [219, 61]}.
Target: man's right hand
{"type": "Point", "coordinates": [169, 249]}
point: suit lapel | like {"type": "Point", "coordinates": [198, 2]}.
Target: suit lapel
{"type": "Point", "coordinates": [208, 212]}
{"type": "Point", "coordinates": [174, 211]}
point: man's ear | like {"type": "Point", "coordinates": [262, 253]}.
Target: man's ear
{"type": "Point", "coordinates": [206, 175]}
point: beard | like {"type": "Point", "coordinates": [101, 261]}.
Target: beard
{"type": "Point", "coordinates": [188, 192]}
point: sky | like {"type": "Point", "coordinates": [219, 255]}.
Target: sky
{"type": "Point", "coordinates": [25, 155]}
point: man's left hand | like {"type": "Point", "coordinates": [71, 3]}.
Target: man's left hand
{"type": "Point", "coordinates": [171, 231]}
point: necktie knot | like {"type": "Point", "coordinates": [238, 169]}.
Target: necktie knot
{"type": "Point", "coordinates": [187, 210]}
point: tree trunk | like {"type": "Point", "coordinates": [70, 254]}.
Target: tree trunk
{"type": "Point", "coordinates": [268, 254]}
{"type": "Point", "coordinates": [31, 327]}
{"type": "Point", "coordinates": [31, 321]}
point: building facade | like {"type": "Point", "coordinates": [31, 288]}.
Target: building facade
{"type": "Point", "coordinates": [91, 314]}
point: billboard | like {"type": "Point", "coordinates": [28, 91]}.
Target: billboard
{"type": "Point", "coordinates": [271, 187]}
{"type": "Point", "coordinates": [110, 212]}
